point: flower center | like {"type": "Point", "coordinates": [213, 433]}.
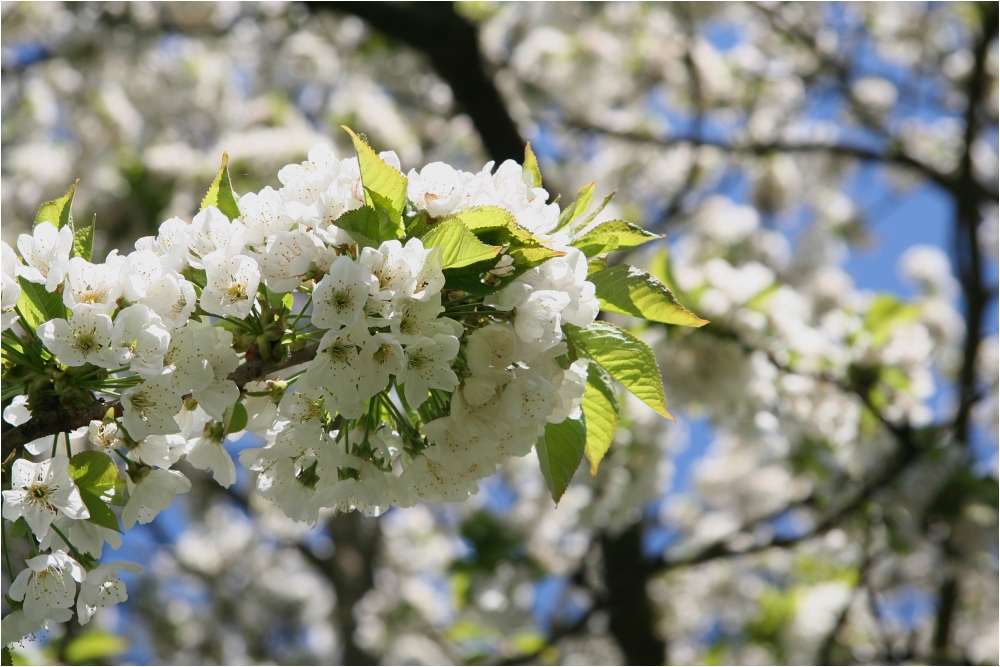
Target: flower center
{"type": "Point", "coordinates": [341, 300]}
{"type": "Point", "coordinates": [236, 292]}
{"type": "Point", "coordinates": [382, 353]}
{"type": "Point", "coordinates": [39, 492]}
{"type": "Point", "coordinates": [85, 342]}
{"type": "Point", "coordinates": [338, 352]}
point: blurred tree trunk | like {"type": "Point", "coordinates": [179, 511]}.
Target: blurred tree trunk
{"type": "Point", "coordinates": [351, 569]}
{"type": "Point", "coordinates": [632, 619]}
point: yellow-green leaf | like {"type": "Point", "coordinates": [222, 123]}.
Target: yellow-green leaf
{"type": "Point", "coordinates": [482, 218]}
{"type": "Point", "coordinates": [610, 236]}
{"type": "Point", "coordinates": [83, 241]}
{"type": "Point", "coordinates": [628, 290]}
{"type": "Point", "coordinates": [531, 166]}
{"type": "Point", "coordinates": [460, 246]}
{"type": "Point", "coordinates": [601, 413]}
{"type": "Point", "coordinates": [579, 205]}
{"type": "Point", "coordinates": [59, 212]}
{"type": "Point", "coordinates": [626, 358]}
{"type": "Point", "coordinates": [220, 194]}
{"type": "Point", "coordinates": [96, 473]}
{"type": "Point", "coordinates": [384, 185]}
{"type": "Point", "coordinates": [94, 647]}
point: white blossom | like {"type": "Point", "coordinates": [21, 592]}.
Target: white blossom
{"type": "Point", "coordinates": [151, 495]}
{"type": "Point", "coordinates": [40, 491]}
{"type": "Point", "coordinates": [103, 588]}
{"type": "Point", "coordinates": [85, 338]}
{"type": "Point", "coordinates": [46, 254]}
{"type": "Point", "coordinates": [232, 285]}
{"type": "Point", "coordinates": [48, 586]}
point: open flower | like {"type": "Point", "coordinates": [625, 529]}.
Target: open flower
{"type": "Point", "coordinates": [97, 285]}
{"type": "Point", "coordinates": [339, 298]}
{"type": "Point", "coordinates": [149, 408]}
{"type": "Point", "coordinates": [85, 338]}
{"type": "Point", "coordinates": [40, 491]}
{"type": "Point", "coordinates": [154, 493]}
{"type": "Point", "coordinates": [139, 340]}
{"type": "Point", "coordinates": [103, 588]}
{"type": "Point", "coordinates": [428, 366]}
{"type": "Point", "coordinates": [232, 285]}
{"type": "Point", "coordinates": [46, 254]}
{"type": "Point", "coordinates": [48, 586]}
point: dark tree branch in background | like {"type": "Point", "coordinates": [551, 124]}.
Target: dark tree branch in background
{"type": "Point", "coordinates": [452, 45]}
{"type": "Point", "coordinates": [967, 203]}
{"type": "Point", "coordinates": [890, 156]}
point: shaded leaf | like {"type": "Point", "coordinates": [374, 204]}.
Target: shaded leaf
{"type": "Point", "coordinates": [100, 513]}
{"type": "Point", "coordinates": [38, 305]}
{"type": "Point", "coordinates": [236, 418]}
{"type": "Point", "coordinates": [560, 451]}
{"type": "Point", "coordinates": [362, 224]}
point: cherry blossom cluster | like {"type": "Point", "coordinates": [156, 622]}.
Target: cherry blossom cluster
{"type": "Point", "coordinates": [388, 338]}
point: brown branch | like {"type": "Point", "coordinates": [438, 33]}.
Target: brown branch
{"type": "Point", "coordinates": [967, 202]}
{"type": "Point", "coordinates": [50, 422]}
{"type": "Point", "coordinates": [890, 156]}
{"type": "Point", "coordinates": [451, 43]}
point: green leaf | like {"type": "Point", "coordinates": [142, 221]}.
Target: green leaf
{"type": "Point", "coordinates": [484, 218]}
{"type": "Point", "coordinates": [94, 647]}
{"type": "Point", "coordinates": [459, 245]}
{"type": "Point", "coordinates": [220, 194]}
{"type": "Point", "coordinates": [387, 228]}
{"type": "Point", "coordinates": [626, 358]}
{"type": "Point", "coordinates": [100, 513]}
{"type": "Point", "coordinates": [560, 451]}
{"type": "Point", "coordinates": [362, 224]}
{"type": "Point", "coordinates": [601, 412]}
{"type": "Point", "coordinates": [97, 473]}
{"type": "Point", "coordinates": [37, 305]}
{"type": "Point", "coordinates": [236, 418]}
{"type": "Point", "coordinates": [628, 290]}
{"type": "Point", "coordinates": [416, 223]}
{"type": "Point", "coordinates": [886, 314]}
{"type": "Point", "coordinates": [83, 241]}
{"type": "Point", "coordinates": [469, 278]}
{"type": "Point", "coordinates": [531, 166]}
{"type": "Point", "coordinates": [6, 658]}
{"type": "Point", "coordinates": [58, 211]}
{"type": "Point", "coordinates": [610, 236]}
{"type": "Point", "coordinates": [579, 205]}
{"type": "Point", "coordinates": [19, 528]}
{"type": "Point", "coordinates": [566, 220]}
{"type": "Point", "coordinates": [384, 185]}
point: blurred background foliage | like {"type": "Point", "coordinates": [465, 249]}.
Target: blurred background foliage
{"type": "Point", "coordinates": [826, 175]}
